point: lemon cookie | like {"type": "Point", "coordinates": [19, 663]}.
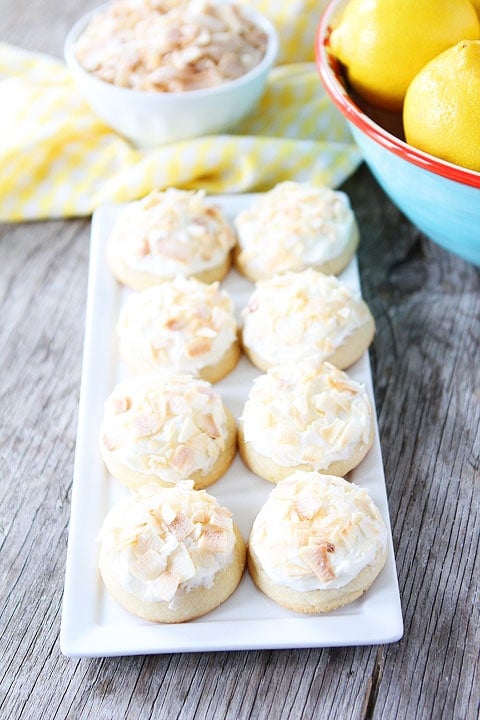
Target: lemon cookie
{"type": "Point", "coordinates": [169, 233]}
{"type": "Point", "coordinates": [166, 428]}
{"type": "Point", "coordinates": [182, 325]}
{"type": "Point", "coordinates": [317, 543]}
{"type": "Point", "coordinates": [306, 416]}
{"type": "Point", "coordinates": [170, 554]}
{"type": "Point", "coordinates": [294, 315]}
{"type": "Point", "coordinates": [295, 226]}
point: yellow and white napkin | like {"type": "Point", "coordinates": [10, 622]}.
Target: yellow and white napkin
{"type": "Point", "coordinates": [57, 159]}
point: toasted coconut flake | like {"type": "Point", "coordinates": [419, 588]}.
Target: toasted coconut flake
{"type": "Point", "coordinates": [168, 513]}
{"type": "Point", "coordinates": [208, 424]}
{"type": "Point", "coordinates": [316, 557]}
{"type": "Point", "coordinates": [165, 586]}
{"type": "Point", "coordinates": [214, 541]}
{"type": "Point", "coordinates": [110, 442]}
{"type": "Point", "coordinates": [302, 536]}
{"type": "Point", "coordinates": [177, 405]}
{"type": "Point", "coordinates": [221, 519]}
{"type": "Point", "coordinates": [198, 346]}
{"type": "Point", "coordinates": [182, 460]}
{"type": "Point", "coordinates": [121, 404]}
{"type": "Point", "coordinates": [287, 436]}
{"type": "Point", "coordinates": [181, 565]}
{"type": "Point", "coordinates": [187, 431]}
{"type": "Point", "coordinates": [313, 456]}
{"type": "Point", "coordinates": [341, 383]}
{"type": "Point", "coordinates": [206, 332]}
{"type": "Point", "coordinates": [200, 513]}
{"type": "Point", "coordinates": [306, 506]}
{"type": "Point", "coordinates": [300, 418]}
{"type": "Point", "coordinates": [175, 323]}
{"type": "Point", "coordinates": [142, 248]}
{"type": "Point", "coordinates": [170, 248]}
{"type": "Point", "coordinates": [148, 566]}
{"type": "Point", "coordinates": [158, 351]}
{"type": "Point", "coordinates": [128, 537]}
{"type": "Point", "coordinates": [181, 526]}
{"type": "Point", "coordinates": [293, 570]}
{"type": "Point", "coordinates": [145, 424]}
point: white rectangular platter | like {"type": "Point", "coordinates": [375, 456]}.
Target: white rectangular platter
{"type": "Point", "coordinates": [93, 625]}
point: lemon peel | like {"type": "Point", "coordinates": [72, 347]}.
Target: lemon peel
{"type": "Point", "coordinates": [441, 111]}
{"type": "Point", "coordinates": [383, 44]}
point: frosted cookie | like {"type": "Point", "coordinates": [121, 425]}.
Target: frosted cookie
{"type": "Point", "coordinates": [170, 554]}
{"type": "Point", "coordinates": [305, 416]}
{"type": "Point", "coordinates": [166, 428]}
{"type": "Point", "coordinates": [169, 233]}
{"type": "Point", "coordinates": [293, 315]}
{"type": "Point", "coordinates": [295, 226]}
{"type": "Point", "coordinates": [183, 325]}
{"type": "Point", "coordinates": [317, 543]}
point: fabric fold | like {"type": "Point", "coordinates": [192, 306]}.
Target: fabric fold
{"type": "Point", "coordinates": [57, 159]}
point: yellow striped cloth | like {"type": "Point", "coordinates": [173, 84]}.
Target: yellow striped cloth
{"type": "Point", "coordinates": [57, 159]}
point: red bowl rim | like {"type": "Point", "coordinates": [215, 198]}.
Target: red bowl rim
{"type": "Point", "coordinates": [355, 115]}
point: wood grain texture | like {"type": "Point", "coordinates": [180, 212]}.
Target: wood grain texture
{"type": "Point", "coordinates": [426, 305]}
{"type": "Point", "coordinates": [426, 372]}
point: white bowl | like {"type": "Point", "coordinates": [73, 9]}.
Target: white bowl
{"type": "Point", "coordinates": [154, 118]}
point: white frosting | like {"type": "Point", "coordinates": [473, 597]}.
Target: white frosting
{"type": "Point", "coordinates": [293, 315]}
{"type": "Point", "coordinates": [293, 226]}
{"type": "Point", "coordinates": [307, 413]}
{"type": "Point", "coordinates": [184, 325]}
{"type": "Point", "coordinates": [161, 540]}
{"type": "Point", "coordinates": [165, 425]}
{"type": "Point", "coordinates": [317, 532]}
{"type": "Point", "coordinates": [175, 232]}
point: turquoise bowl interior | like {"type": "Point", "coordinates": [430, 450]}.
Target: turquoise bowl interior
{"type": "Point", "coordinates": [441, 199]}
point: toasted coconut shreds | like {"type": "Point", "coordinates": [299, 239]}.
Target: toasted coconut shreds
{"type": "Point", "coordinates": [166, 586]}
{"type": "Point", "coordinates": [182, 459]}
{"type": "Point", "coordinates": [172, 47]}
{"type": "Point", "coordinates": [288, 436]}
{"type": "Point", "coordinates": [148, 566]}
{"type": "Point", "coordinates": [313, 456]}
{"type": "Point", "coordinates": [214, 541]}
{"type": "Point", "coordinates": [147, 423]}
{"type": "Point", "coordinates": [168, 513]}
{"type": "Point", "coordinates": [170, 248]}
{"type": "Point", "coordinates": [121, 404]}
{"type": "Point", "coordinates": [200, 513]}
{"type": "Point", "coordinates": [316, 557]}
{"type": "Point", "coordinates": [175, 323]}
{"type": "Point", "coordinates": [208, 424]}
{"type": "Point", "coordinates": [181, 526]}
{"type": "Point", "coordinates": [198, 346]}
{"type": "Point", "coordinates": [306, 506]}
{"type": "Point", "coordinates": [181, 565]}
{"type": "Point", "coordinates": [110, 442]}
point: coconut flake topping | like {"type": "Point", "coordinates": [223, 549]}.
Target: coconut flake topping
{"type": "Point", "coordinates": [317, 532]}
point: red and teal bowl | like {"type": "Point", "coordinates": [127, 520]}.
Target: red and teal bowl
{"type": "Point", "coordinates": [441, 199]}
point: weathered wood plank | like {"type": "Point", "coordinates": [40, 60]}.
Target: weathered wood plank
{"type": "Point", "coordinates": [427, 389]}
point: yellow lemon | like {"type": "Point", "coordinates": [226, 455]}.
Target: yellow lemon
{"type": "Point", "coordinates": [384, 43]}
{"type": "Point", "coordinates": [441, 114]}
{"type": "Point", "coordinates": [476, 5]}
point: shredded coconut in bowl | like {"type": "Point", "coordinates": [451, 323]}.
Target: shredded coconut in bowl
{"type": "Point", "coordinates": [170, 45]}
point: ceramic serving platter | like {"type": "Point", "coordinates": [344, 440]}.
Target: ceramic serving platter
{"type": "Point", "coordinates": [93, 625]}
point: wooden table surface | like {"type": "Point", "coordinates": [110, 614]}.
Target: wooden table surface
{"type": "Point", "coordinates": [426, 369]}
